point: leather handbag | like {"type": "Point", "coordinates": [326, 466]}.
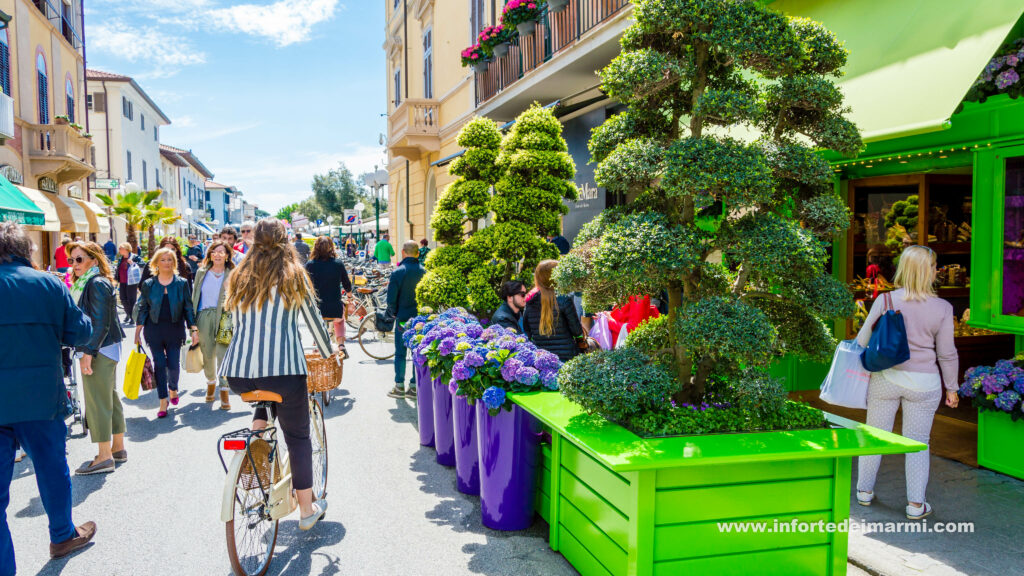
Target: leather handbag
{"type": "Point", "coordinates": [225, 330]}
{"type": "Point", "coordinates": [888, 346]}
{"type": "Point", "coordinates": [383, 321]}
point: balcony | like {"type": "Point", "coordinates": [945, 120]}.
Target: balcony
{"type": "Point", "coordinates": [558, 59]}
{"type": "Point", "coordinates": [414, 129]}
{"type": "Point", "coordinates": [59, 14]}
{"type": "Point", "coordinates": [6, 117]}
{"type": "Point", "coordinates": [58, 151]}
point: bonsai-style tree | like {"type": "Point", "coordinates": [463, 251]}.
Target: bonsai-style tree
{"type": "Point", "coordinates": [751, 284]}
{"type": "Point", "coordinates": [531, 177]}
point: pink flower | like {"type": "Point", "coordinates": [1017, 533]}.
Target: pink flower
{"type": "Point", "coordinates": [475, 56]}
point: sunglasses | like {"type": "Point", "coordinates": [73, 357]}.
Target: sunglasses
{"type": "Point", "coordinates": [79, 259]}
{"type": "Point", "coordinates": [523, 293]}
{"type": "Point", "coordinates": [246, 231]}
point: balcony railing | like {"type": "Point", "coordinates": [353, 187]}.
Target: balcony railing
{"type": "Point", "coordinates": [55, 13]}
{"type": "Point", "coordinates": [414, 117]}
{"type": "Point", "coordinates": [6, 116]}
{"type": "Point", "coordinates": [58, 151]}
{"type": "Point", "coordinates": [554, 33]}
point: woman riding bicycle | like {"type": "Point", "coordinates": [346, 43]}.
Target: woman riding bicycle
{"type": "Point", "coordinates": [266, 293]}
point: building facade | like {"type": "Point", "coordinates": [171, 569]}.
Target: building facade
{"type": "Point", "coordinates": [190, 176]}
{"type": "Point", "coordinates": [47, 150]}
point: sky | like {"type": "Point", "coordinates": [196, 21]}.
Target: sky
{"type": "Point", "coordinates": [266, 93]}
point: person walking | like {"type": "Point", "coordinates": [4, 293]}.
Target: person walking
{"type": "Point", "coordinates": [230, 236]}
{"type": "Point", "coordinates": [110, 250]}
{"type": "Point", "coordinates": [424, 250]}
{"type": "Point", "coordinates": [550, 321]}
{"type": "Point", "coordinates": [128, 280]}
{"type": "Point", "coordinates": [510, 313]}
{"type": "Point", "coordinates": [194, 255]}
{"type": "Point", "coordinates": [208, 302]}
{"type": "Point", "coordinates": [163, 311]}
{"type": "Point", "coordinates": [39, 317]}
{"type": "Point", "coordinates": [402, 306]}
{"type": "Point", "coordinates": [915, 385]}
{"type": "Point", "coordinates": [93, 290]}
{"type": "Point", "coordinates": [302, 248]}
{"type": "Point", "coordinates": [247, 237]}
{"type": "Point", "coordinates": [350, 247]}
{"type": "Point", "coordinates": [60, 256]}
{"type": "Point", "coordinates": [266, 294]}
{"type": "Point", "coordinates": [383, 252]}
{"type": "Point", "coordinates": [329, 276]}
{"type": "Point", "coordinates": [184, 270]}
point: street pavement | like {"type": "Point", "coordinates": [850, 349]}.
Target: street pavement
{"type": "Point", "coordinates": [393, 509]}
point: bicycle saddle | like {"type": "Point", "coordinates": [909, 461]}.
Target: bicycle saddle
{"type": "Point", "coordinates": [362, 290]}
{"type": "Point", "coordinates": [261, 396]}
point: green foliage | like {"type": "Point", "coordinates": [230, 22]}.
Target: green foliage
{"type": "Point", "coordinates": [631, 166]}
{"type": "Point", "coordinates": [825, 215]}
{"type": "Point", "coordinates": [904, 213]}
{"type": "Point", "coordinates": [441, 288]}
{"type": "Point", "coordinates": [634, 76]}
{"type": "Point", "coordinates": [773, 246]}
{"type": "Point", "coordinates": [337, 190]}
{"type": "Point", "coordinates": [653, 338]}
{"type": "Point", "coordinates": [726, 328]}
{"type": "Point", "coordinates": [709, 169]}
{"type": "Point", "coordinates": [625, 126]}
{"type": "Point", "coordinates": [687, 420]}
{"type": "Point", "coordinates": [617, 384]}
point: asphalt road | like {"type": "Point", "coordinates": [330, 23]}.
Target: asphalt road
{"type": "Point", "coordinates": [393, 509]}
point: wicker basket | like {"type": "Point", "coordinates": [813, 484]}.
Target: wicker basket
{"type": "Point", "coordinates": [323, 373]}
{"type": "Point", "coordinates": [260, 450]}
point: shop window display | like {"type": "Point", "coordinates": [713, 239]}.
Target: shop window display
{"type": "Point", "coordinates": [1013, 238]}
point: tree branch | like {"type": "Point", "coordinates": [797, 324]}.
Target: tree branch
{"type": "Point", "coordinates": [741, 280]}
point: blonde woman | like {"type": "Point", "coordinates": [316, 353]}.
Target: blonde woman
{"type": "Point", "coordinates": [93, 291]}
{"type": "Point", "coordinates": [917, 383]}
{"type": "Point", "coordinates": [266, 294]}
{"type": "Point", "coordinates": [164, 310]}
{"type": "Point", "coordinates": [551, 321]}
{"type": "Point", "coordinates": [208, 301]}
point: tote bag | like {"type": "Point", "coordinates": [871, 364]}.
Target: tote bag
{"type": "Point", "coordinates": [847, 381]}
{"type": "Point", "coordinates": [133, 373]}
{"type": "Point", "coordinates": [194, 359]}
{"type": "Point", "coordinates": [888, 346]}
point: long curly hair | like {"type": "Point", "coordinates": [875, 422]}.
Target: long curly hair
{"type": "Point", "coordinates": [271, 263]}
{"type": "Point", "coordinates": [323, 249]}
{"type": "Point", "coordinates": [94, 251]}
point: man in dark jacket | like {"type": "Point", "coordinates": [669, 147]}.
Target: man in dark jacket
{"type": "Point", "coordinates": [302, 248]}
{"type": "Point", "coordinates": [402, 305]}
{"type": "Point", "coordinates": [510, 314]}
{"type": "Point", "coordinates": [194, 256]}
{"type": "Point", "coordinates": [39, 315]}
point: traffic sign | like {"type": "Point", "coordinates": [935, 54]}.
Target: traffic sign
{"type": "Point", "coordinates": [106, 183]}
{"type": "Point", "coordinates": [361, 254]}
{"type": "Point", "coordinates": [352, 218]}
{"type": "Point", "coordinates": [319, 222]}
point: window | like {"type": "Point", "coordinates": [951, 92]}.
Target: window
{"type": "Point", "coordinates": [5, 63]}
{"type": "Point", "coordinates": [398, 87]}
{"type": "Point", "coordinates": [476, 19]}
{"type": "Point", "coordinates": [124, 106]}
{"type": "Point", "coordinates": [428, 64]}
{"type": "Point", "coordinates": [156, 136]}
{"type": "Point", "coordinates": [156, 174]}
{"type": "Point", "coordinates": [69, 92]}
{"type": "Point", "coordinates": [145, 176]}
{"type": "Point", "coordinates": [129, 169]}
{"type": "Point", "coordinates": [88, 101]}
{"type": "Point", "coordinates": [142, 117]}
{"type": "Point", "coordinates": [127, 108]}
{"type": "Point", "coordinates": [42, 85]}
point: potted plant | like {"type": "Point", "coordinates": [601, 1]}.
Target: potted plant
{"type": "Point", "coordinates": [997, 391]}
{"type": "Point", "coordinates": [523, 14]}
{"type": "Point", "coordinates": [61, 119]}
{"type": "Point", "coordinates": [437, 347]}
{"type": "Point", "coordinates": [77, 126]}
{"type": "Point", "coordinates": [555, 6]}
{"type": "Point", "coordinates": [497, 39]}
{"type": "Point", "coordinates": [414, 334]}
{"type": "Point", "coordinates": [477, 56]}
{"type": "Point", "coordinates": [87, 135]}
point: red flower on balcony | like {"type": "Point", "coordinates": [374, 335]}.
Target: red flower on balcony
{"type": "Point", "coordinates": [474, 54]}
{"type": "Point", "coordinates": [517, 11]}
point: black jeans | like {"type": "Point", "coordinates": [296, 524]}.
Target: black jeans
{"type": "Point", "coordinates": [165, 341]}
{"type": "Point", "coordinates": [293, 416]}
{"type": "Point", "coordinates": [128, 295]}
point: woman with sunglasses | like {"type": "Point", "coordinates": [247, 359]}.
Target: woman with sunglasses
{"type": "Point", "coordinates": [93, 291]}
{"type": "Point", "coordinates": [163, 311]}
{"type": "Point", "coordinates": [208, 302]}
{"type": "Point", "coordinates": [510, 313]}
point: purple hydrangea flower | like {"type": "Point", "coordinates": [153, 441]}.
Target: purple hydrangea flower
{"type": "Point", "coordinates": [1017, 378]}
{"type": "Point", "coordinates": [494, 397]}
{"type": "Point", "coordinates": [544, 360]}
{"type": "Point", "coordinates": [1007, 401]}
{"type": "Point", "coordinates": [473, 359]}
{"type": "Point", "coordinates": [1007, 78]}
{"type": "Point", "coordinates": [446, 347]}
{"type": "Point", "coordinates": [527, 376]}
{"type": "Point", "coordinates": [462, 372]}
{"type": "Point", "coordinates": [453, 386]}
{"type": "Point", "coordinates": [474, 330]}
{"type": "Point", "coordinates": [549, 378]}
{"type": "Point", "coordinates": [510, 369]}
{"type": "Point", "coordinates": [966, 390]}
{"type": "Point", "coordinates": [526, 356]}
{"type": "Point", "coordinates": [993, 383]}
{"type": "Point", "coordinates": [418, 358]}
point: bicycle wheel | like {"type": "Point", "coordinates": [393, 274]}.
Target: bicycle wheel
{"type": "Point", "coordinates": [325, 398]}
{"type": "Point", "coordinates": [318, 437]}
{"type": "Point", "coordinates": [251, 534]}
{"type": "Point", "coordinates": [377, 345]}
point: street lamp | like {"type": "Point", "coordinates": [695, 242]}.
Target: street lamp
{"type": "Point", "coordinates": [376, 180]}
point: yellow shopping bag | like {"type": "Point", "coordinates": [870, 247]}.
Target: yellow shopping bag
{"type": "Point", "coordinates": [133, 373]}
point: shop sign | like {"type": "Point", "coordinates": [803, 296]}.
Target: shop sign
{"type": "Point", "coordinates": [12, 174]}
{"type": "Point", "coordinates": [106, 183]}
{"type": "Point", "coordinates": [48, 184]}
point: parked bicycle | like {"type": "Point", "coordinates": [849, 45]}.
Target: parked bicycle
{"type": "Point", "coordinates": [75, 403]}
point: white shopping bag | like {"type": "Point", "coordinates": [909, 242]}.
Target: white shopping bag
{"type": "Point", "coordinates": [847, 381]}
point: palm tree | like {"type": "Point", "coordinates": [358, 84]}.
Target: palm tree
{"type": "Point", "coordinates": [156, 213]}
{"type": "Point", "coordinates": [130, 206]}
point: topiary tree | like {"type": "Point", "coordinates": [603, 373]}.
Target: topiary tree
{"type": "Point", "coordinates": [531, 177]}
{"type": "Point", "coordinates": [752, 284]}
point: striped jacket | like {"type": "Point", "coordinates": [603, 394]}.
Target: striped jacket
{"type": "Point", "coordinates": [265, 342]}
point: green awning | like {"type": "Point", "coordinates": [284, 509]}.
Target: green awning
{"type": "Point", "coordinates": [16, 207]}
{"type": "Point", "coordinates": [911, 61]}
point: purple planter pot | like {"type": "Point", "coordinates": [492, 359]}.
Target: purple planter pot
{"type": "Point", "coordinates": [509, 449]}
{"type": "Point", "coordinates": [444, 433]}
{"type": "Point", "coordinates": [425, 405]}
{"type": "Point", "coordinates": [467, 456]}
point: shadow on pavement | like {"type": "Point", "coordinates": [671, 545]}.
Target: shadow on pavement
{"type": "Point", "coordinates": [342, 402]}
{"type": "Point", "coordinates": [81, 488]}
{"type": "Point", "coordinates": [295, 548]}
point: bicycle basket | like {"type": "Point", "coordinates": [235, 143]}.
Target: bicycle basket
{"type": "Point", "coordinates": [263, 474]}
{"type": "Point", "coordinates": [323, 374]}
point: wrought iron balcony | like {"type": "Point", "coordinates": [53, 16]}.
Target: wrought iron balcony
{"type": "Point", "coordinates": [555, 32]}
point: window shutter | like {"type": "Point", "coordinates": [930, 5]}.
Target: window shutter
{"type": "Point", "coordinates": [99, 102]}
{"type": "Point", "coordinates": [44, 101]}
{"type": "Point", "coordinates": [71, 108]}
{"type": "Point", "coordinates": [5, 68]}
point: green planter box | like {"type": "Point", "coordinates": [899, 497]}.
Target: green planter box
{"type": "Point", "coordinates": [618, 504]}
{"type": "Point", "coordinates": [1001, 443]}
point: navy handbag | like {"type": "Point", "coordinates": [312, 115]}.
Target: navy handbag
{"type": "Point", "coordinates": [888, 346]}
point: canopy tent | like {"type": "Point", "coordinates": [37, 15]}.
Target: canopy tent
{"type": "Point", "coordinates": [204, 228]}
{"type": "Point", "coordinates": [15, 206]}
{"type": "Point", "coordinates": [72, 216]}
{"type": "Point", "coordinates": [51, 219]}
{"type": "Point", "coordinates": [98, 221]}
{"type": "Point", "coordinates": [911, 61]}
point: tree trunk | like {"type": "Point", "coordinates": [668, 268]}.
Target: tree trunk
{"type": "Point", "coordinates": [151, 241]}
{"type": "Point", "coordinates": [133, 238]}
{"type": "Point", "coordinates": [683, 361]}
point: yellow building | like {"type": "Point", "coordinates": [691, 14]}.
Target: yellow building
{"type": "Point", "coordinates": [431, 96]}
{"type": "Point", "coordinates": [46, 154]}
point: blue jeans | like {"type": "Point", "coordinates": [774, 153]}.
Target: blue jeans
{"type": "Point", "coordinates": [43, 441]}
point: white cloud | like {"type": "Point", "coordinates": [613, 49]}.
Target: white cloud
{"type": "Point", "coordinates": [284, 22]}
{"type": "Point", "coordinates": [165, 54]}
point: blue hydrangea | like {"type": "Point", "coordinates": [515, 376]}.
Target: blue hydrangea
{"type": "Point", "coordinates": [966, 390]}
{"type": "Point", "coordinates": [526, 356]}
{"type": "Point", "coordinates": [474, 330]}
{"type": "Point", "coordinates": [461, 372]}
{"type": "Point", "coordinates": [494, 397]}
{"type": "Point", "coordinates": [418, 358]}
{"type": "Point", "coordinates": [453, 386]}
{"type": "Point", "coordinates": [994, 383]}
{"type": "Point", "coordinates": [545, 360]}
{"type": "Point", "coordinates": [1007, 401]}
{"type": "Point", "coordinates": [446, 347]}
{"type": "Point", "coordinates": [1017, 378]}
{"type": "Point", "coordinates": [473, 359]}
{"type": "Point", "coordinates": [549, 378]}
{"type": "Point", "coordinates": [527, 376]}
{"type": "Point", "coordinates": [510, 369]}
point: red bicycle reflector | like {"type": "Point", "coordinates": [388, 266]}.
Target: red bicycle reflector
{"type": "Point", "coordinates": [234, 444]}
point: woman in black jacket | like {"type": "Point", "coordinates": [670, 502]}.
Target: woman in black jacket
{"type": "Point", "coordinates": [126, 290]}
{"type": "Point", "coordinates": [163, 310]}
{"type": "Point", "coordinates": [551, 321]}
{"type": "Point", "coordinates": [329, 276]}
{"type": "Point", "coordinates": [93, 291]}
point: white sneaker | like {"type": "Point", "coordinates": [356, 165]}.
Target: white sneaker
{"type": "Point", "coordinates": [865, 498]}
{"type": "Point", "coordinates": [918, 512]}
{"type": "Point", "coordinates": [319, 509]}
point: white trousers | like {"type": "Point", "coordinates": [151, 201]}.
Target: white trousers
{"type": "Point", "coordinates": [919, 406]}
